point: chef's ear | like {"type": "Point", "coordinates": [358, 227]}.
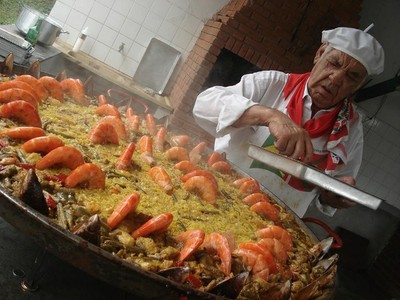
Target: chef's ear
{"type": "Point", "coordinates": [320, 51]}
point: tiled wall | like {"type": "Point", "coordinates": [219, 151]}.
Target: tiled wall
{"type": "Point", "coordinates": [134, 23]}
{"type": "Point", "coordinates": [380, 170]}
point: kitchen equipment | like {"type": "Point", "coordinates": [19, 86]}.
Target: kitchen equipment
{"type": "Point", "coordinates": [157, 66]}
{"type": "Point", "coordinates": [312, 175]}
{"type": "Point", "coordinates": [13, 43]}
{"type": "Point", "coordinates": [27, 18]}
{"type": "Point", "coordinates": [49, 31]}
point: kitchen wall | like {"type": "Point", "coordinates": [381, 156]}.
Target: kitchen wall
{"type": "Point", "coordinates": [133, 23]}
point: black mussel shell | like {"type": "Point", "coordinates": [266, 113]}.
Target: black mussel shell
{"type": "Point", "coordinates": [32, 193]}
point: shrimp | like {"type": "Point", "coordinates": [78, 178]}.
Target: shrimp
{"type": "Point", "coordinates": [214, 157]}
{"type": "Point", "coordinates": [150, 124]}
{"type": "Point", "coordinates": [20, 85]}
{"type": "Point", "coordinates": [108, 110]}
{"type": "Point", "coordinates": [177, 154]}
{"type": "Point", "coordinates": [133, 123]}
{"type": "Point", "coordinates": [185, 166]}
{"type": "Point", "coordinates": [102, 100]}
{"type": "Point", "coordinates": [156, 224]}
{"type": "Point", "coordinates": [276, 232]}
{"type": "Point", "coordinates": [103, 133]}
{"type": "Point", "coordinates": [88, 175]}
{"type": "Point", "coordinates": [179, 140]}
{"type": "Point", "coordinates": [130, 112]}
{"type": "Point", "coordinates": [159, 139]}
{"type": "Point", "coordinates": [199, 172]}
{"type": "Point", "coordinates": [23, 133]}
{"type": "Point", "coordinates": [126, 206]}
{"type": "Point", "coordinates": [117, 124]}
{"type": "Point", "coordinates": [13, 94]}
{"type": "Point", "coordinates": [42, 144]}
{"type": "Point", "coordinates": [255, 198]}
{"type": "Point", "coordinates": [53, 87]}
{"type": "Point", "coordinates": [192, 240]}
{"type": "Point", "coordinates": [75, 90]}
{"type": "Point", "coordinates": [216, 242]}
{"type": "Point", "coordinates": [66, 156]}
{"type": "Point", "coordinates": [222, 167]}
{"type": "Point", "coordinates": [256, 261]}
{"type": "Point", "coordinates": [146, 148]}
{"type": "Point", "coordinates": [267, 210]}
{"type": "Point", "coordinates": [264, 251]}
{"type": "Point", "coordinates": [22, 112]}
{"type": "Point", "coordinates": [203, 187]}
{"type": "Point", "coordinates": [195, 155]}
{"type": "Point", "coordinates": [250, 186]}
{"type": "Point", "coordinates": [276, 248]}
{"type": "Point", "coordinates": [125, 160]}
{"type": "Point", "coordinates": [161, 177]}
{"type": "Point", "coordinates": [238, 182]}
{"type": "Point", "coordinates": [37, 86]}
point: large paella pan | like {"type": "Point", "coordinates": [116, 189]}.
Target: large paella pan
{"type": "Point", "coordinates": [147, 209]}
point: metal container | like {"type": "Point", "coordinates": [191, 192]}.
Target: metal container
{"type": "Point", "coordinates": [27, 18]}
{"type": "Point", "coordinates": [49, 31]}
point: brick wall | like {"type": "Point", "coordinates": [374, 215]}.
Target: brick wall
{"type": "Point", "coordinates": [271, 34]}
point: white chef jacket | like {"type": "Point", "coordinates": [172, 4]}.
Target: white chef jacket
{"type": "Point", "coordinates": [217, 108]}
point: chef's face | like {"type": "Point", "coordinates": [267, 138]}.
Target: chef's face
{"type": "Point", "coordinates": [334, 77]}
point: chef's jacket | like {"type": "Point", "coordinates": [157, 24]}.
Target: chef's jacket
{"type": "Point", "coordinates": [217, 108]}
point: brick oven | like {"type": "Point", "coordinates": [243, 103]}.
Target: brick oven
{"type": "Point", "coordinates": [265, 34]}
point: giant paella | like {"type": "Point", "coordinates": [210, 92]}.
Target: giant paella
{"type": "Point", "coordinates": [154, 197]}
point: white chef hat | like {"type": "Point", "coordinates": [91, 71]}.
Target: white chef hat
{"type": "Point", "coordinates": [359, 45]}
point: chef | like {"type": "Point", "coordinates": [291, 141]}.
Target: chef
{"type": "Point", "coordinates": [308, 117]}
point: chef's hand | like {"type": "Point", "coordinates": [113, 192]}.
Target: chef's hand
{"type": "Point", "coordinates": [291, 139]}
{"type": "Point", "coordinates": [336, 201]}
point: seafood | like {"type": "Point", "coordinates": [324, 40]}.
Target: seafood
{"type": "Point", "coordinates": [22, 112]}
{"type": "Point", "coordinates": [88, 175]}
{"type": "Point", "coordinates": [52, 86]}
{"type": "Point", "coordinates": [216, 242]}
{"type": "Point", "coordinates": [126, 206]}
{"type": "Point", "coordinates": [102, 100]}
{"type": "Point", "coordinates": [199, 172]}
{"type": "Point", "coordinates": [89, 230]}
{"type": "Point", "coordinates": [214, 157]}
{"type": "Point", "coordinates": [146, 148]}
{"type": "Point", "coordinates": [195, 155]}
{"type": "Point", "coordinates": [38, 87]}
{"type": "Point", "coordinates": [255, 197]}
{"type": "Point", "coordinates": [133, 123]}
{"type": "Point", "coordinates": [260, 249]}
{"type": "Point", "coordinates": [42, 144]}
{"type": "Point", "coordinates": [156, 224]}
{"type": "Point", "coordinates": [103, 133]}
{"type": "Point", "coordinates": [65, 156]}
{"type": "Point", "coordinates": [185, 166]}
{"type": "Point", "coordinates": [161, 177]}
{"type": "Point", "coordinates": [250, 186]}
{"type": "Point", "coordinates": [117, 124]}
{"type": "Point", "coordinates": [192, 240]}
{"type": "Point", "coordinates": [267, 210]}
{"type": "Point", "coordinates": [130, 112]}
{"type": "Point", "coordinates": [23, 132]}
{"type": "Point", "coordinates": [179, 140]}
{"type": "Point", "coordinates": [159, 139]}
{"type": "Point", "coordinates": [75, 90]}
{"type": "Point", "coordinates": [125, 160]}
{"type": "Point", "coordinates": [31, 193]}
{"type": "Point", "coordinates": [222, 167]}
{"type": "Point", "coordinates": [277, 232]}
{"type": "Point", "coordinates": [203, 187]}
{"type": "Point", "coordinates": [108, 110]}
{"type": "Point", "coordinates": [20, 85]}
{"type": "Point", "coordinates": [150, 124]}
{"type": "Point", "coordinates": [275, 247]}
{"type": "Point", "coordinates": [16, 94]}
{"type": "Point", "coordinates": [257, 262]}
{"type": "Point", "coordinates": [177, 154]}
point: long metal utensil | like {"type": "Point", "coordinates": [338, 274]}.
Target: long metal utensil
{"type": "Point", "coordinates": [314, 176]}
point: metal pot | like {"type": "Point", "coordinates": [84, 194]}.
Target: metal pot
{"type": "Point", "coordinates": [49, 31]}
{"type": "Point", "coordinates": [27, 18]}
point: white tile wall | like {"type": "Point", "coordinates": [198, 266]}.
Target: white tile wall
{"type": "Point", "coordinates": [380, 170]}
{"type": "Point", "coordinates": [134, 23]}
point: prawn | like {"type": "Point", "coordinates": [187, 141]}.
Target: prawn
{"type": "Point", "coordinates": [146, 148]}
{"type": "Point", "coordinates": [20, 85]}
{"type": "Point", "coordinates": [101, 99]}
{"type": "Point", "coordinates": [216, 242]}
{"type": "Point", "coordinates": [255, 198]}
{"type": "Point", "coordinates": [117, 124]}
{"type": "Point", "coordinates": [238, 182]}
{"type": "Point", "coordinates": [192, 240]}
{"type": "Point", "coordinates": [23, 133]}
{"type": "Point", "coordinates": [103, 133]}
{"type": "Point", "coordinates": [200, 172]}
{"type": "Point", "coordinates": [42, 144]}
{"type": "Point", "coordinates": [88, 175]}
{"type": "Point", "coordinates": [161, 177]}
{"type": "Point", "coordinates": [179, 140]}
{"type": "Point", "coordinates": [126, 206]}
{"type": "Point", "coordinates": [66, 156]}
{"type": "Point", "coordinates": [150, 124]}
{"type": "Point", "coordinates": [75, 90]}
{"type": "Point", "coordinates": [124, 161]}
{"type": "Point", "coordinates": [22, 112]}
{"type": "Point", "coordinates": [177, 154]}
{"type": "Point", "coordinates": [264, 251]}
{"type": "Point", "coordinates": [275, 247]}
{"type": "Point", "coordinates": [214, 157]}
{"type": "Point", "coordinates": [277, 232]}
{"type": "Point", "coordinates": [159, 139]}
{"type": "Point", "coordinates": [185, 166]}
{"type": "Point", "coordinates": [250, 186]}
{"type": "Point", "coordinates": [195, 154]}
{"type": "Point", "coordinates": [256, 261]}
{"type": "Point", "coordinates": [53, 87]}
{"type": "Point", "coordinates": [108, 110]}
{"type": "Point", "coordinates": [267, 210]}
{"type": "Point", "coordinates": [130, 112]}
{"type": "Point", "coordinates": [133, 123]}
{"type": "Point", "coordinates": [203, 187]}
{"type": "Point", "coordinates": [14, 94]}
{"type": "Point", "coordinates": [154, 225]}
{"type": "Point", "coordinates": [37, 86]}
{"type": "Point", "coordinates": [221, 167]}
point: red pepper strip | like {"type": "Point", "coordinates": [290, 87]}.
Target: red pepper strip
{"type": "Point", "coordinates": [26, 166]}
{"type": "Point", "coordinates": [59, 178]}
{"type": "Point", "coordinates": [194, 281]}
{"type": "Point", "coordinates": [50, 201]}
{"type": "Point", "coordinates": [178, 263]}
